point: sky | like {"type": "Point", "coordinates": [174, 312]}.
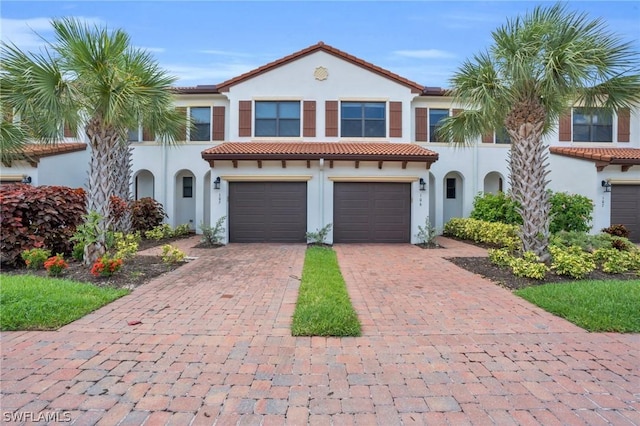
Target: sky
{"type": "Point", "coordinates": [208, 42]}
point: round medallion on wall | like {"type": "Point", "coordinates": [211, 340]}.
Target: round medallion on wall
{"type": "Point", "coordinates": [321, 73]}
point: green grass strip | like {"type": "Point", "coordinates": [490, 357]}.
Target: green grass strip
{"type": "Point", "coordinates": [36, 303]}
{"type": "Point", "coordinates": [323, 307]}
{"type": "Point", "coordinates": [600, 306]}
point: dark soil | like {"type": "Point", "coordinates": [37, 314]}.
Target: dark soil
{"type": "Point", "coordinates": [134, 272]}
{"type": "Point", "coordinates": [504, 277]}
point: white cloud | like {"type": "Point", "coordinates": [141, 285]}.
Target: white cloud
{"type": "Point", "coordinates": [212, 74]}
{"type": "Point", "coordinates": [425, 54]}
{"type": "Point", "coordinates": [152, 49]}
{"type": "Point", "coordinates": [28, 34]}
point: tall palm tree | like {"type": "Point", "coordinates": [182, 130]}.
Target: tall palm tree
{"type": "Point", "coordinates": [94, 77]}
{"type": "Point", "coordinates": [538, 67]}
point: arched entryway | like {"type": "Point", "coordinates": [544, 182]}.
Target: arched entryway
{"type": "Point", "coordinates": [143, 184]}
{"type": "Point", "coordinates": [493, 183]}
{"type": "Point", "coordinates": [185, 199]}
{"type": "Point", "coordinates": [452, 196]}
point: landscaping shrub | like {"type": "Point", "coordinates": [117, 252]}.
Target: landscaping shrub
{"type": "Point", "coordinates": [181, 230]}
{"type": "Point", "coordinates": [529, 266]}
{"type": "Point", "coordinates": [319, 236]}
{"type": "Point", "coordinates": [86, 233]}
{"type": "Point", "coordinates": [617, 231]}
{"type": "Point", "coordinates": [35, 258]}
{"type": "Point", "coordinates": [212, 235]}
{"type": "Point", "coordinates": [614, 261]}
{"type": "Point", "coordinates": [106, 266]}
{"type": "Point", "coordinates": [172, 254]}
{"type": "Point", "coordinates": [126, 245]}
{"type": "Point", "coordinates": [117, 208]}
{"type": "Point", "coordinates": [583, 240]}
{"type": "Point", "coordinates": [498, 207]}
{"type": "Point", "coordinates": [37, 217]}
{"type": "Point", "coordinates": [146, 214]}
{"type": "Point", "coordinates": [494, 234]}
{"type": "Point", "coordinates": [427, 234]}
{"type": "Point", "coordinates": [569, 212]}
{"type": "Point", "coordinates": [500, 257]}
{"type": "Point", "coordinates": [572, 261]}
{"type": "Point", "coordinates": [159, 232]}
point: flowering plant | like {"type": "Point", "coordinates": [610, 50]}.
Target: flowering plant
{"type": "Point", "coordinates": [35, 258]}
{"type": "Point", "coordinates": [55, 264]}
{"type": "Point", "coordinates": [106, 266]}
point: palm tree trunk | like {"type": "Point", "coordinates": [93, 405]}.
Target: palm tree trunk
{"type": "Point", "coordinates": [121, 175]}
{"type": "Point", "coordinates": [103, 140]}
{"type": "Point", "coordinates": [528, 175]}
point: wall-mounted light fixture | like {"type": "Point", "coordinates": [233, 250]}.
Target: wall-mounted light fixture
{"type": "Point", "coordinates": [423, 185]}
{"type": "Point", "coordinates": [26, 179]}
{"type": "Point", "coordinates": [216, 183]}
{"type": "Point", "coordinates": [606, 185]}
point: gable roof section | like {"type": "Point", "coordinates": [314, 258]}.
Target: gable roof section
{"type": "Point", "coordinates": [316, 150]}
{"type": "Point", "coordinates": [34, 152]}
{"type": "Point", "coordinates": [626, 157]}
{"type": "Point", "coordinates": [321, 47]}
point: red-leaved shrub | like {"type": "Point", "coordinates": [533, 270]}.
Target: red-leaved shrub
{"type": "Point", "coordinates": [146, 214]}
{"type": "Point", "coordinates": [38, 216]}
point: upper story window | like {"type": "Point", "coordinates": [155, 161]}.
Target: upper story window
{"type": "Point", "coordinates": [277, 118]}
{"type": "Point", "coordinates": [201, 117]}
{"type": "Point", "coordinates": [592, 125]}
{"type": "Point", "coordinates": [435, 118]}
{"type": "Point", "coordinates": [363, 119]}
{"type": "Point", "coordinates": [502, 136]}
{"type": "Point", "coordinates": [133, 135]}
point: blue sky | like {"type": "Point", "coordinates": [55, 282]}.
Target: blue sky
{"type": "Point", "coordinates": [207, 42]}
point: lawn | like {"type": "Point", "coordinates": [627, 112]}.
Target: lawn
{"type": "Point", "coordinates": [323, 307]}
{"type": "Point", "coordinates": [599, 306]}
{"type": "Point", "coordinates": [38, 303]}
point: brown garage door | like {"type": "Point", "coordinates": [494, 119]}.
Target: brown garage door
{"type": "Point", "coordinates": [267, 212]}
{"type": "Point", "coordinates": [625, 208]}
{"type": "Point", "coordinates": [371, 212]}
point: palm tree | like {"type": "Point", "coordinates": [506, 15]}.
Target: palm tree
{"type": "Point", "coordinates": [94, 77]}
{"type": "Point", "coordinates": [538, 67]}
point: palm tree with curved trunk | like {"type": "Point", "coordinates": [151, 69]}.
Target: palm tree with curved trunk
{"type": "Point", "coordinates": [93, 77]}
{"type": "Point", "coordinates": [538, 67]}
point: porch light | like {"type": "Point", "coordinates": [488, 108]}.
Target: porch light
{"type": "Point", "coordinates": [216, 183]}
{"type": "Point", "coordinates": [26, 179]}
{"type": "Point", "coordinates": [606, 185]}
{"type": "Point", "coordinates": [423, 185]}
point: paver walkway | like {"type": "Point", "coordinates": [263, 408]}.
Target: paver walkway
{"type": "Point", "coordinates": [440, 345]}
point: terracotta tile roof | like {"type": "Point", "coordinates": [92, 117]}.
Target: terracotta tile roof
{"type": "Point", "coordinates": [39, 151]}
{"type": "Point", "coordinates": [199, 89]}
{"type": "Point", "coordinates": [628, 156]}
{"type": "Point", "coordinates": [372, 151]}
{"type": "Point", "coordinates": [320, 46]}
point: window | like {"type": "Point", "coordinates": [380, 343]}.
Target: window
{"type": "Point", "coordinates": [502, 136]}
{"type": "Point", "coordinates": [451, 188]}
{"type": "Point", "coordinates": [278, 118]}
{"type": "Point", "coordinates": [187, 187]}
{"type": "Point", "coordinates": [133, 136]}
{"type": "Point", "coordinates": [201, 117]}
{"type": "Point", "coordinates": [435, 117]}
{"type": "Point", "coordinates": [592, 125]}
{"type": "Point", "coordinates": [363, 119]}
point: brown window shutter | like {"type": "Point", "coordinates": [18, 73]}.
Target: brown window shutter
{"type": "Point", "coordinates": [331, 118]}
{"type": "Point", "coordinates": [309, 119]}
{"type": "Point", "coordinates": [218, 123]}
{"type": "Point", "coordinates": [147, 135]}
{"type": "Point", "coordinates": [395, 119]}
{"type": "Point", "coordinates": [624, 116]}
{"type": "Point", "coordinates": [487, 138]}
{"type": "Point", "coordinates": [244, 122]}
{"type": "Point", "coordinates": [68, 131]}
{"type": "Point", "coordinates": [421, 124]}
{"type": "Point", "coordinates": [183, 130]}
{"type": "Point", "coordinates": [564, 128]}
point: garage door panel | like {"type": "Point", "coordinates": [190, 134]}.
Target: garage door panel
{"type": "Point", "coordinates": [625, 208]}
{"type": "Point", "coordinates": [366, 212]}
{"type": "Point", "coordinates": [267, 211]}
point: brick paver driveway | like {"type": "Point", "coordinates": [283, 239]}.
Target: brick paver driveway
{"type": "Point", "coordinates": [440, 345]}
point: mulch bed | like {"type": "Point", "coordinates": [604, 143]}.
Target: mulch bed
{"type": "Point", "coordinates": [504, 277]}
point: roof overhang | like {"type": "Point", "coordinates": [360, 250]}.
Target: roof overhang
{"type": "Point", "coordinates": [602, 157]}
{"type": "Point", "coordinates": [329, 151]}
{"type": "Point", "coordinates": [32, 153]}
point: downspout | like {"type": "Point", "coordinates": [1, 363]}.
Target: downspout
{"type": "Point", "coordinates": [321, 177]}
{"type": "Point", "coordinates": [164, 175]}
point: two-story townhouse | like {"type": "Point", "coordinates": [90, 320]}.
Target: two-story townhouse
{"type": "Point", "coordinates": [321, 137]}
